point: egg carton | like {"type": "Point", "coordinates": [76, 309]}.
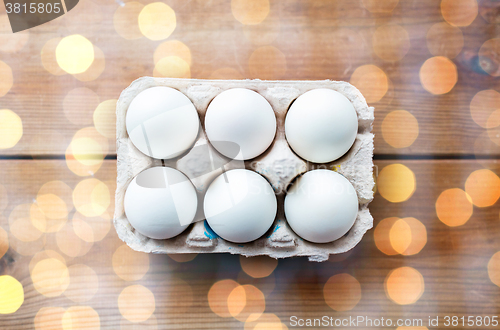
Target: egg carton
{"type": "Point", "coordinates": [279, 165]}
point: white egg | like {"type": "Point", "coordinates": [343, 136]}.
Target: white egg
{"type": "Point", "coordinates": [321, 125]}
{"type": "Point", "coordinates": [240, 206]}
{"type": "Point", "coordinates": [160, 202]}
{"type": "Point", "coordinates": [240, 123]}
{"type": "Point", "coordinates": [162, 122]}
{"type": "Point", "coordinates": [321, 206]}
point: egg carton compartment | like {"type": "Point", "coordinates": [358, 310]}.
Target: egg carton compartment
{"type": "Point", "coordinates": [278, 164]}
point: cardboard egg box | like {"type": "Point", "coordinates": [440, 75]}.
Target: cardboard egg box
{"type": "Point", "coordinates": [278, 164]}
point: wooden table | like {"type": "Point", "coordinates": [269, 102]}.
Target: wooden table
{"type": "Point", "coordinates": [431, 253]}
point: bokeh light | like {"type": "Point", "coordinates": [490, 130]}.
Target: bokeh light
{"type": "Point", "coordinates": [342, 292]}
{"type": "Point", "coordinates": [50, 277]}
{"type": "Point", "coordinates": [11, 294]}
{"type": "Point", "coordinates": [371, 81]}
{"type": "Point", "coordinates": [396, 183]}
{"type": "Point", "coordinates": [226, 73]}
{"type": "Point", "coordinates": [400, 236]}
{"type": "Point", "coordinates": [91, 197]}
{"type": "Point", "coordinates": [136, 303]}
{"type": "Point", "coordinates": [26, 248]}
{"type": "Point", "coordinates": [400, 129]}
{"type": "Point", "coordinates": [267, 63]}
{"type": "Point", "coordinates": [391, 42]}
{"type": "Point", "coordinates": [10, 42]}
{"type": "Point", "coordinates": [483, 187]}
{"type": "Point", "coordinates": [85, 154]}
{"type": "Point", "coordinates": [218, 295]}
{"type": "Point", "coordinates": [70, 244]}
{"type": "Point", "coordinates": [494, 269]}
{"type": "Point", "coordinates": [95, 70]}
{"type": "Point", "coordinates": [79, 105]}
{"type": "Point", "coordinates": [42, 255]}
{"type": "Point", "coordinates": [80, 317]}
{"type": "Point", "coordinates": [48, 57]}
{"type": "Point", "coordinates": [454, 207]}
{"type": "Point", "coordinates": [11, 127]}
{"type": "Point", "coordinates": [382, 238]}
{"type": "Point", "coordinates": [83, 284]}
{"type": "Point", "coordinates": [157, 21]}
{"type": "Point", "coordinates": [406, 236]}
{"type": "Point", "coordinates": [74, 54]}
{"type": "Point", "coordinates": [459, 12]}
{"type": "Point", "coordinates": [265, 284]}
{"type": "Point", "coordinates": [246, 303]}
{"type": "Point", "coordinates": [263, 33]}
{"type": "Point", "coordinates": [49, 318]}
{"type": "Point", "coordinates": [380, 6]}
{"type": "Point", "coordinates": [130, 265]}
{"type": "Point", "coordinates": [4, 242]}
{"type": "Point", "coordinates": [266, 321]}
{"type": "Point", "coordinates": [418, 236]}
{"type": "Point", "coordinates": [172, 48]}
{"type": "Point", "coordinates": [444, 39]}
{"type": "Point", "coordinates": [404, 285]}
{"type": "Point", "coordinates": [438, 75]}
{"type": "Point", "coordinates": [105, 118]}
{"type": "Point", "coordinates": [92, 229]}
{"type": "Point", "coordinates": [484, 106]}
{"type": "Point", "coordinates": [172, 67]}
{"type": "Point", "coordinates": [183, 257]}
{"type": "Point", "coordinates": [258, 267]}
{"type": "Point", "coordinates": [54, 201]}
{"type": "Point", "coordinates": [489, 57]}
{"type": "Point", "coordinates": [7, 78]}
{"type": "Point", "coordinates": [125, 20]}
{"type": "Point", "coordinates": [21, 225]}
{"type": "Point", "coordinates": [250, 12]}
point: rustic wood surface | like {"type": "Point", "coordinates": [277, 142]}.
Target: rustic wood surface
{"type": "Point", "coordinates": [317, 39]}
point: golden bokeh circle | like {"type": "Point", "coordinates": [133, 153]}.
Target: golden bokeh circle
{"type": "Point", "coordinates": [172, 67]}
{"type": "Point", "coordinates": [92, 229]}
{"type": "Point", "coordinates": [80, 317]}
{"type": "Point", "coordinates": [183, 257]}
{"type": "Point", "coordinates": [400, 236]}
{"type": "Point", "coordinates": [258, 267]}
{"type": "Point", "coordinates": [4, 242]}
{"type": "Point", "coordinates": [267, 63]}
{"type": "Point", "coordinates": [406, 236]}
{"type": "Point", "coordinates": [70, 244]}
{"type": "Point", "coordinates": [9, 42]}
{"type": "Point", "coordinates": [49, 318]}
{"type": "Point", "coordinates": [488, 53]}
{"type": "Point", "coordinates": [396, 183]}
{"type": "Point", "coordinates": [371, 81]}
{"type": "Point", "coordinates": [11, 294]}
{"type": "Point", "coordinates": [444, 39]}
{"type": "Point", "coordinates": [391, 42]}
{"type": "Point", "coordinates": [404, 285]}
{"type": "Point", "coordinates": [382, 238]}
{"type": "Point", "coordinates": [42, 255]}
{"type": "Point", "coordinates": [50, 277]}
{"type": "Point", "coordinates": [125, 20]}
{"type": "Point", "coordinates": [130, 265]}
{"type": "Point", "coordinates": [400, 129]}
{"type": "Point", "coordinates": [7, 78]}
{"type": "Point", "coordinates": [79, 105]}
{"type": "Point", "coordinates": [91, 197]}
{"type": "Point", "coordinates": [483, 187]}
{"type": "Point", "coordinates": [11, 127]}
{"type": "Point", "coordinates": [494, 269]}
{"type": "Point", "coordinates": [266, 321]}
{"type": "Point", "coordinates": [380, 6]}
{"type": "Point", "coordinates": [438, 75]}
{"type": "Point", "coordinates": [418, 236]}
{"type": "Point", "coordinates": [342, 292]}
{"type": "Point", "coordinates": [48, 57]}
{"type": "Point", "coordinates": [136, 303]}
{"type": "Point", "coordinates": [105, 118]}
{"type": "Point", "coordinates": [85, 154]}
{"type": "Point", "coordinates": [484, 106]}
{"type": "Point", "coordinates": [157, 21]}
{"type": "Point", "coordinates": [459, 12]}
{"type": "Point", "coordinates": [74, 54]}
{"type": "Point", "coordinates": [21, 225]}
{"type": "Point", "coordinates": [250, 12]}
{"type": "Point", "coordinates": [83, 285]}
{"type": "Point", "coordinates": [54, 199]}
{"type": "Point", "coordinates": [246, 303]}
{"type": "Point", "coordinates": [95, 70]}
{"type": "Point", "coordinates": [237, 300]}
{"type": "Point", "coordinates": [218, 294]}
{"type": "Point", "coordinates": [172, 48]}
{"type": "Point", "coordinates": [454, 207]}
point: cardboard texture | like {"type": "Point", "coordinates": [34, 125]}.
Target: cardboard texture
{"type": "Point", "coordinates": [279, 164]}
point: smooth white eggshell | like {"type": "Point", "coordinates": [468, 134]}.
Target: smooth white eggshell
{"type": "Point", "coordinates": [321, 125]}
{"type": "Point", "coordinates": [240, 123]}
{"type": "Point", "coordinates": [240, 206]}
{"type": "Point", "coordinates": [321, 206]}
{"type": "Point", "coordinates": [160, 202]}
{"type": "Point", "coordinates": [162, 122]}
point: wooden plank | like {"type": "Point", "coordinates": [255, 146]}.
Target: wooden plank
{"type": "Point", "coordinates": [313, 38]}
{"type": "Point", "coordinates": [453, 262]}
